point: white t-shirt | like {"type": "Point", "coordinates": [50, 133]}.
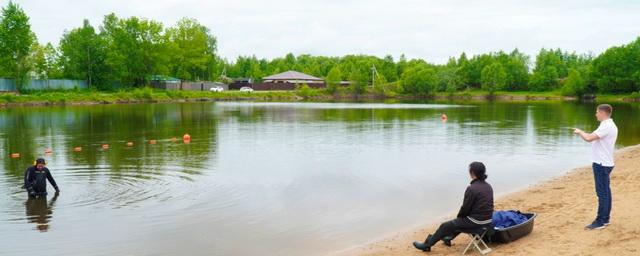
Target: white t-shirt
{"type": "Point", "coordinates": [602, 149]}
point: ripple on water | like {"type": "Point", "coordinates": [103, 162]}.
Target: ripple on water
{"type": "Point", "coordinates": [103, 186]}
{"type": "Point", "coordinates": [126, 186]}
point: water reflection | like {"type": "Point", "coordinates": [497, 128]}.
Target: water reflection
{"type": "Point", "coordinates": [29, 131]}
{"type": "Point", "coordinates": [40, 212]}
{"type": "Point", "coordinates": [121, 175]}
{"type": "Point", "coordinates": [553, 120]}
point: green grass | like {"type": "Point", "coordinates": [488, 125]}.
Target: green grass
{"type": "Point", "coordinates": [618, 97]}
{"type": "Point", "coordinates": [550, 95]}
{"type": "Point", "coordinates": [138, 95]}
{"type": "Point", "coordinates": [481, 93]}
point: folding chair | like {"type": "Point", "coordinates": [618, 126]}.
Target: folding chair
{"type": "Point", "coordinates": [477, 239]}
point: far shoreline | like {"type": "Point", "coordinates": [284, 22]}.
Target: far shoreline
{"type": "Point", "coordinates": [145, 95]}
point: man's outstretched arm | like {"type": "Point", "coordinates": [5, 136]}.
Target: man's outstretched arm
{"type": "Point", "coordinates": [588, 137]}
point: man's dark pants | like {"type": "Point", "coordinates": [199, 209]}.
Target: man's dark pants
{"type": "Point", "coordinates": [602, 179]}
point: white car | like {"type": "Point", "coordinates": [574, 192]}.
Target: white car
{"type": "Point", "coordinates": [216, 89]}
{"type": "Point", "coordinates": [246, 89]}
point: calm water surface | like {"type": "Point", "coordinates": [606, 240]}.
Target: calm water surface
{"type": "Point", "coordinates": [269, 178]}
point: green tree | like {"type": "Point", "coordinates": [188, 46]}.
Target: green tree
{"type": "Point", "coordinates": [494, 78]}
{"type": "Point", "coordinates": [358, 81]}
{"type": "Point", "coordinates": [401, 66]}
{"type": "Point", "coordinates": [552, 67]}
{"type": "Point", "coordinates": [516, 65]}
{"type": "Point", "coordinates": [135, 50]}
{"type": "Point", "coordinates": [16, 39]}
{"type": "Point", "coordinates": [474, 69]}
{"type": "Point", "coordinates": [82, 55]}
{"type": "Point", "coordinates": [617, 70]}
{"type": "Point", "coordinates": [250, 67]}
{"type": "Point", "coordinates": [387, 67]}
{"type": "Point", "coordinates": [333, 79]}
{"type": "Point", "coordinates": [544, 79]}
{"type": "Point", "coordinates": [380, 86]}
{"type": "Point", "coordinates": [574, 84]}
{"type": "Point", "coordinates": [44, 62]}
{"type": "Point", "coordinates": [449, 79]}
{"type": "Point", "coordinates": [419, 80]}
{"type": "Point", "coordinates": [463, 71]}
{"type": "Point", "coordinates": [192, 50]}
{"type": "Point", "coordinates": [545, 74]}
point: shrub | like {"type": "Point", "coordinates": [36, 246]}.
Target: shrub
{"type": "Point", "coordinates": [303, 91]}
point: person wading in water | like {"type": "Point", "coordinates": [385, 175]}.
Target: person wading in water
{"type": "Point", "coordinates": [35, 179]}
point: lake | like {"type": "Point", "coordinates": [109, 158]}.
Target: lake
{"type": "Point", "coordinates": [270, 178]}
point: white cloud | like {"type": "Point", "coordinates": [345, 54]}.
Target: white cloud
{"type": "Point", "coordinates": [432, 30]}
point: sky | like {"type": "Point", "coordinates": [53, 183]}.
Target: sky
{"type": "Point", "coordinates": [425, 29]}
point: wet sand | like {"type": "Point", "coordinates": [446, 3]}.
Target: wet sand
{"type": "Point", "coordinates": [564, 206]}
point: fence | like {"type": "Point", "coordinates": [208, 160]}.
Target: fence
{"type": "Point", "coordinates": [202, 86]}
{"type": "Point", "coordinates": [43, 84]}
{"type": "Point", "coordinates": [187, 86]}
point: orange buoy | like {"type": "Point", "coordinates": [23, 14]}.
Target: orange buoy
{"type": "Point", "coordinates": [105, 146]}
{"type": "Point", "coordinates": [77, 149]}
{"type": "Point", "coordinates": [152, 142]}
{"type": "Point", "coordinates": [186, 137]}
{"type": "Point", "coordinates": [129, 144]}
{"type": "Point", "coordinates": [15, 155]}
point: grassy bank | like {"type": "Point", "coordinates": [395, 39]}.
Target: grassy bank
{"type": "Point", "coordinates": [531, 95]}
{"type": "Point", "coordinates": [136, 96]}
{"type": "Point", "coordinates": [149, 95]}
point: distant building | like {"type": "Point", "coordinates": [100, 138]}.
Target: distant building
{"type": "Point", "coordinates": [288, 80]}
{"type": "Point", "coordinates": [242, 80]}
{"type": "Point", "coordinates": [292, 77]}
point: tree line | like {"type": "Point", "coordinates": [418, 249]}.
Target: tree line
{"type": "Point", "coordinates": [122, 52]}
{"type": "Point", "coordinates": [129, 52]}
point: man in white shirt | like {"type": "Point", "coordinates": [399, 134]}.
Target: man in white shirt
{"type": "Point", "coordinates": [603, 142]}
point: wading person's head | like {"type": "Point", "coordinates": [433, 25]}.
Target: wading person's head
{"type": "Point", "coordinates": [603, 112]}
{"type": "Point", "coordinates": [477, 171]}
{"type": "Point", "coordinates": [40, 163]}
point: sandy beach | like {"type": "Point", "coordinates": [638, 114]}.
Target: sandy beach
{"type": "Point", "coordinates": [564, 206]}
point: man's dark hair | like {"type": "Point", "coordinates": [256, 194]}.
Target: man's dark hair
{"type": "Point", "coordinates": [40, 161]}
{"type": "Point", "coordinates": [478, 170]}
{"type": "Point", "coordinates": [606, 108]}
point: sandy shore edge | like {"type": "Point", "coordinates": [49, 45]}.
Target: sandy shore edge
{"type": "Point", "coordinates": [564, 204]}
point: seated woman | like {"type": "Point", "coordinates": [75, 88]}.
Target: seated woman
{"type": "Point", "coordinates": [476, 210]}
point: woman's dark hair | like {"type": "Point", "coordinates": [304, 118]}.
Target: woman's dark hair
{"type": "Point", "coordinates": [478, 170]}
